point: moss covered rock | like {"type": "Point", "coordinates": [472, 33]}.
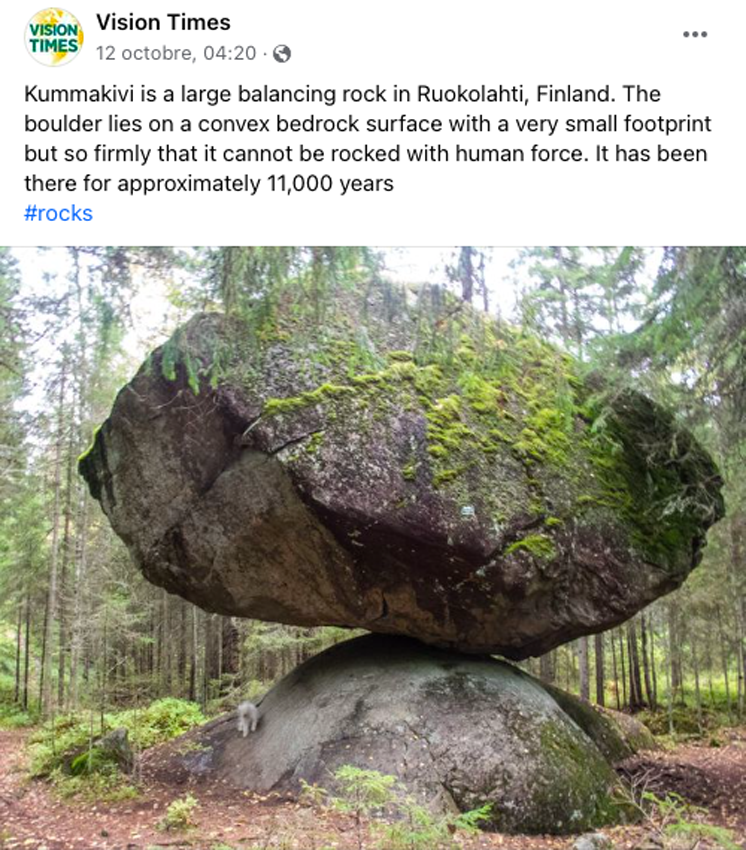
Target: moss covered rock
{"type": "Point", "coordinates": [458, 731]}
{"type": "Point", "coordinates": [401, 464]}
{"type": "Point", "coordinates": [618, 736]}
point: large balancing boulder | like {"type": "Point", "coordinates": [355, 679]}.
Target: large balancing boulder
{"type": "Point", "coordinates": [403, 465]}
{"type": "Point", "coordinates": [457, 730]}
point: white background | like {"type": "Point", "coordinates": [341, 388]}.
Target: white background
{"type": "Point", "coordinates": [338, 44]}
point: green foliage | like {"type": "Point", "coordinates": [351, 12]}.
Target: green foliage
{"type": "Point", "coordinates": [362, 792]}
{"type": "Point", "coordinates": [470, 821]}
{"type": "Point", "coordinates": [312, 794]}
{"type": "Point", "coordinates": [686, 718]}
{"type": "Point", "coordinates": [272, 650]}
{"type": "Point", "coordinates": [14, 339]}
{"type": "Point", "coordinates": [179, 814]}
{"type": "Point", "coordinates": [693, 320]}
{"type": "Point", "coordinates": [105, 785]}
{"type": "Point", "coordinates": [92, 761]}
{"type": "Point", "coordinates": [176, 356]}
{"type": "Point", "coordinates": [696, 832]}
{"type": "Point", "coordinates": [7, 644]}
{"type": "Point", "coordinates": [160, 721]}
{"type": "Point", "coordinates": [13, 717]}
{"type": "Point", "coordinates": [7, 666]}
{"type": "Point", "coordinates": [680, 819]}
{"type": "Point", "coordinates": [412, 826]}
{"type": "Point", "coordinates": [418, 828]}
{"type": "Point", "coordinates": [52, 745]}
{"type": "Point", "coordinates": [575, 291]}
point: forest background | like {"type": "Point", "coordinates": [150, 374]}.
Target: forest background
{"type": "Point", "coordinates": [81, 629]}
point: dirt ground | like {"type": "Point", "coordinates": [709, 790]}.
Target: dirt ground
{"type": "Point", "coordinates": [32, 817]}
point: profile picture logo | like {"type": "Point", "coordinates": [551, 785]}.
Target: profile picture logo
{"type": "Point", "coordinates": [54, 37]}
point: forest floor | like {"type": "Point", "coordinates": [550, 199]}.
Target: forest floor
{"type": "Point", "coordinates": [33, 817]}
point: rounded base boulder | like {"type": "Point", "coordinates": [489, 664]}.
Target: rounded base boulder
{"type": "Point", "coordinates": [456, 730]}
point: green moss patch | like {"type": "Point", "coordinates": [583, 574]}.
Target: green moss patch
{"type": "Point", "coordinates": [538, 545]}
{"type": "Point", "coordinates": [581, 789]}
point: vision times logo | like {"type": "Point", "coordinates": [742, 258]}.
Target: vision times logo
{"type": "Point", "coordinates": [54, 37]}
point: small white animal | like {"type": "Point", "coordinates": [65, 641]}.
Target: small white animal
{"type": "Point", "coordinates": [248, 717]}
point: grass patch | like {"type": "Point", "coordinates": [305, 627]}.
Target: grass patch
{"type": "Point", "coordinates": [62, 749]}
{"type": "Point", "coordinates": [13, 717]}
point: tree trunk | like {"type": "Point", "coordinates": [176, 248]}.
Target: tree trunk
{"type": "Point", "coordinates": [64, 649]}
{"type": "Point", "coordinates": [26, 652]}
{"type": "Point", "coordinates": [669, 676]}
{"type": "Point", "coordinates": [219, 641]}
{"type": "Point", "coordinates": [182, 665]}
{"type": "Point", "coordinates": [43, 665]}
{"type": "Point", "coordinates": [231, 647]}
{"type": "Point", "coordinates": [620, 635]}
{"type": "Point", "coordinates": [646, 662]}
{"type": "Point", "coordinates": [483, 284]}
{"type": "Point", "coordinates": [47, 694]}
{"type": "Point", "coordinates": [636, 701]}
{"type": "Point", "coordinates": [600, 671]}
{"type": "Point", "coordinates": [81, 558]}
{"type": "Point", "coordinates": [615, 669]}
{"type": "Point", "coordinates": [164, 667]}
{"type": "Point", "coordinates": [546, 668]}
{"type": "Point", "coordinates": [724, 661]}
{"type": "Point", "coordinates": [193, 664]}
{"type": "Point", "coordinates": [585, 688]}
{"type": "Point", "coordinates": [104, 668]}
{"type": "Point", "coordinates": [697, 691]}
{"type": "Point", "coordinates": [653, 668]}
{"type": "Point", "coordinates": [19, 641]}
{"type": "Point", "coordinates": [735, 567]}
{"type": "Point", "coordinates": [673, 648]}
{"type": "Point", "coordinates": [466, 273]}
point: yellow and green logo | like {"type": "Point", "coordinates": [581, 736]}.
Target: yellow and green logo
{"type": "Point", "coordinates": [54, 37]}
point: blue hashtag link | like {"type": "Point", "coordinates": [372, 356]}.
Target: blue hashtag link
{"type": "Point", "coordinates": [73, 213]}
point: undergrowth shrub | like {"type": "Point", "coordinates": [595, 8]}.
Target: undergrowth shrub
{"type": "Point", "coordinates": [55, 744]}
{"type": "Point", "coordinates": [13, 717]}
{"type": "Point", "coordinates": [686, 721]}
{"type": "Point", "coordinates": [108, 785]}
{"type": "Point", "coordinates": [412, 826]}
{"type": "Point", "coordinates": [678, 820]}
{"type": "Point", "coordinates": [421, 829]}
{"type": "Point", "coordinates": [93, 761]}
{"type": "Point", "coordinates": [179, 814]}
{"type": "Point", "coordinates": [160, 721]}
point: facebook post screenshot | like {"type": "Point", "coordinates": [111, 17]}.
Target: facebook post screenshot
{"type": "Point", "coordinates": [373, 426]}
